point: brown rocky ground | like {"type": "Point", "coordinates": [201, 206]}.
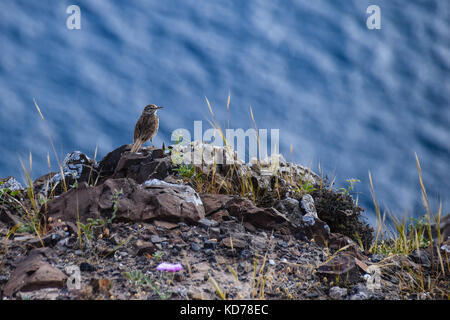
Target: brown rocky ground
{"type": "Point", "coordinates": [122, 216]}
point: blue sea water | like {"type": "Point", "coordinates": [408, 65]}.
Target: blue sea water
{"type": "Point", "coordinates": [345, 97]}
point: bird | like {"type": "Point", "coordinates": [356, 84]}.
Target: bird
{"type": "Point", "coordinates": [146, 127]}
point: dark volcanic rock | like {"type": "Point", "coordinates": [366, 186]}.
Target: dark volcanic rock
{"type": "Point", "coordinates": [7, 216]}
{"type": "Point", "coordinates": [148, 164]}
{"type": "Point", "coordinates": [34, 273]}
{"type": "Point", "coordinates": [267, 218]}
{"type": "Point", "coordinates": [313, 229]}
{"type": "Point", "coordinates": [155, 199]}
{"type": "Point", "coordinates": [341, 269]}
{"type": "Point", "coordinates": [214, 202]}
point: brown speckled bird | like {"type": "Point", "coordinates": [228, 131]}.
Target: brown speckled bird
{"type": "Point", "coordinates": [146, 127]}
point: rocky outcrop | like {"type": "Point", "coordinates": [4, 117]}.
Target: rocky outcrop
{"type": "Point", "coordinates": [149, 163]}
{"type": "Point", "coordinates": [155, 199]}
{"type": "Point", "coordinates": [299, 237]}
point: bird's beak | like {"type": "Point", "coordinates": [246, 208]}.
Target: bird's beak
{"type": "Point", "coordinates": [160, 108]}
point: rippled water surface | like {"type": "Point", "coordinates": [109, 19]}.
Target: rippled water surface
{"type": "Point", "coordinates": [345, 97]}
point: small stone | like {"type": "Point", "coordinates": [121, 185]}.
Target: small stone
{"type": "Point", "coordinates": [4, 278]}
{"type": "Point", "coordinates": [245, 254]}
{"type": "Point", "coordinates": [86, 267]}
{"type": "Point", "coordinates": [308, 220]}
{"type": "Point", "coordinates": [308, 205]}
{"type": "Point", "coordinates": [210, 244]}
{"type": "Point", "coordinates": [249, 227]}
{"type": "Point", "coordinates": [234, 243]}
{"type": "Point", "coordinates": [195, 247]}
{"type": "Point", "coordinates": [283, 244]}
{"type": "Point", "coordinates": [214, 231]}
{"type": "Point", "coordinates": [337, 293]}
{"type": "Point", "coordinates": [359, 292]}
{"type": "Point", "coordinates": [165, 224]}
{"type": "Point", "coordinates": [421, 257]}
{"type": "Point", "coordinates": [156, 239]}
{"type": "Point", "coordinates": [144, 247]}
{"type": "Point", "coordinates": [208, 223]}
{"type": "Point", "coordinates": [271, 262]}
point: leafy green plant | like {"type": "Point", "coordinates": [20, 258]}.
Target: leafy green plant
{"type": "Point", "coordinates": [305, 188]}
{"type": "Point", "coordinates": [186, 171]}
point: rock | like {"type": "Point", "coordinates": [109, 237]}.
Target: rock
{"type": "Point", "coordinates": [231, 227]}
{"type": "Point", "coordinates": [154, 200]}
{"type": "Point", "coordinates": [207, 223]}
{"type": "Point", "coordinates": [76, 167]}
{"type": "Point", "coordinates": [308, 206]}
{"type": "Point", "coordinates": [143, 167]}
{"type": "Point", "coordinates": [342, 268]}
{"type": "Point", "coordinates": [149, 163]}
{"type": "Point", "coordinates": [292, 206]}
{"type": "Point", "coordinates": [34, 273]}
{"type": "Point", "coordinates": [249, 227]}
{"type": "Point", "coordinates": [214, 232]}
{"type": "Point", "coordinates": [337, 293]}
{"type": "Point", "coordinates": [156, 239]}
{"type": "Point", "coordinates": [49, 240]}
{"type": "Point", "coordinates": [144, 247]}
{"type": "Point", "coordinates": [234, 243]}
{"type": "Point", "coordinates": [195, 247]}
{"type": "Point", "coordinates": [359, 292]}
{"type": "Point", "coordinates": [220, 216]}
{"type": "Point", "coordinates": [214, 202]}
{"type": "Point", "coordinates": [86, 267]}
{"type": "Point", "coordinates": [10, 183]}
{"type": "Point", "coordinates": [210, 244]}
{"type": "Point", "coordinates": [109, 163]}
{"type": "Point", "coordinates": [165, 224]}
{"type": "Point", "coordinates": [315, 229]}
{"type": "Point", "coordinates": [267, 218]}
{"type": "Point", "coordinates": [421, 257]}
{"type": "Point", "coordinates": [7, 216]}
{"type": "Point", "coordinates": [245, 254]}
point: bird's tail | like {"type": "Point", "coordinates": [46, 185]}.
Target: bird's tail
{"type": "Point", "coordinates": [136, 145]}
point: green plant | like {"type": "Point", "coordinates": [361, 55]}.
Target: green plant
{"type": "Point", "coordinates": [186, 171]}
{"type": "Point", "coordinates": [351, 182]}
{"type": "Point", "coordinates": [159, 255]}
{"type": "Point", "coordinates": [139, 280]}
